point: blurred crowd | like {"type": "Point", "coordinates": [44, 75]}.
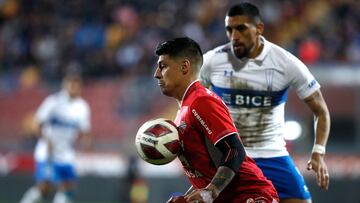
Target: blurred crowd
{"type": "Point", "coordinates": [112, 38]}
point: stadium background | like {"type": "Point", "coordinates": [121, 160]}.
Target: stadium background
{"type": "Point", "coordinates": [112, 42]}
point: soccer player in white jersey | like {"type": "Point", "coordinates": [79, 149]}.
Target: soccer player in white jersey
{"type": "Point", "coordinates": [253, 75]}
{"type": "Point", "coordinates": [60, 119]}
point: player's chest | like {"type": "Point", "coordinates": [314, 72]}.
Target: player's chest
{"type": "Point", "coordinates": [66, 113]}
{"type": "Point", "coordinates": [189, 135]}
{"type": "Point", "coordinates": [249, 76]}
{"type": "Point", "coordinates": [250, 86]}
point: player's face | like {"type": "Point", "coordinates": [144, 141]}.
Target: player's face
{"type": "Point", "coordinates": [168, 72]}
{"type": "Point", "coordinates": [73, 87]}
{"type": "Point", "coordinates": [242, 34]}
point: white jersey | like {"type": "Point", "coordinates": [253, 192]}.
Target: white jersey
{"type": "Point", "coordinates": [255, 91]}
{"type": "Point", "coordinates": [62, 119]}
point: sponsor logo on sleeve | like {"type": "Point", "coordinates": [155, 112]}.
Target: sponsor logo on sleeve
{"type": "Point", "coordinates": [312, 83]}
{"type": "Point", "coordinates": [201, 121]}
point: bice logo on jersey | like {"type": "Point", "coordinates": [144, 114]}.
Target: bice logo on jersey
{"type": "Point", "coordinates": [246, 100]}
{"type": "Point", "coordinates": [250, 98]}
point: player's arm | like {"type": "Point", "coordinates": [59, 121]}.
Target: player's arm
{"type": "Point", "coordinates": [318, 106]}
{"type": "Point", "coordinates": [85, 141]}
{"type": "Point", "coordinates": [85, 136]}
{"type": "Point", "coordinates": [308, 88]}
{"type": "Point", "coordinates": [42, 116]}
{"type": "Point", "coordinates": [233, 155]}
{"type": "Point", "coordinates": [35, 127]}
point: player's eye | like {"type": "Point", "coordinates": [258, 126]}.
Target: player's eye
{"type": "Point", "coordinates": [241, 28]}
{"type": "Point", "coordinates": [228, 29]}
{"type": "Point", "coordinates": [161, 66]}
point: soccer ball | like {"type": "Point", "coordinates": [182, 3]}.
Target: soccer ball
{"type": "Point", "coordinates": [157, 141]}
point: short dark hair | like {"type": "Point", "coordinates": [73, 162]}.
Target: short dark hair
{"type": "Point", "coordinates": [247, 9]}
{"type": "Point", "coordinates": [181, 47]}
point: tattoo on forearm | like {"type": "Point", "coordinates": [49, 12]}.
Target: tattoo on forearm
{"type": "Point", "coordinates": [223, 177]}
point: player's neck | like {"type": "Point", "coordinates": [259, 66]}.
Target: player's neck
{"type": "Point", "coordinates": [184, 89]}
{"type": "Point", "coordinates": [181, 92]}
{"type": "Point", "coordinates": [257, 49]}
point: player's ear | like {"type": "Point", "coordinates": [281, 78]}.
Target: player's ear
{"type": "Point", "coordinates": [259, 28]}
{"type": "Point", "coordinates": [185, 66]}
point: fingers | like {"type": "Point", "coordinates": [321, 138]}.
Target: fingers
{"type": "Point", "coordinates": [323, 178]}
{"type": "Point", "coordinates": [194, 197]}
{"type": "Point", "coordinates": [326, 182]}
{"type": "Point", "coordinates": [309, 166]}
{"type": "Point", "coordinates": [322, 174]}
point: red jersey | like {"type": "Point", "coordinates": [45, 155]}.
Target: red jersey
{"type": "Point", "coordinates": [203, 115]}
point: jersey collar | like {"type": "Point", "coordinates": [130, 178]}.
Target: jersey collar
{"type": "Point", "coordinates": [188, 90]}
{"type": "Point", "coordinates": [64, 94]}
{"type": "Point", "coordinates": [265, 50]}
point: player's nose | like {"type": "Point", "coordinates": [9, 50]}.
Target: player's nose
{"type": "Point", "coordinates": [157, 73]}
{"type": "Point", "coordinates": [235, 35]}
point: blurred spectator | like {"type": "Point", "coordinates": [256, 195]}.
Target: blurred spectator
{"type": "Point", "coordinates": [111, 38]}
{"type": "Point", "coordinates": [309, 51]}
{"type": "Point", "coordinates": [137, 186]}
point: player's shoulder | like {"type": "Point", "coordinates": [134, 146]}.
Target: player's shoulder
{"type": "Point", "coordinates": [204, 96]}
{"type": "Point", "coordinates": [81, 101]}
{"type": "Point", "coordinates": [216, 52]}
{"type": "Point", "coordinates": [225, 48]}
{"type": "Point", "coordinates": [53, 97]}
{"type": "Point", "coordinates": [280, 58]}
{"type": "Point", "coordinates": [279, 52]}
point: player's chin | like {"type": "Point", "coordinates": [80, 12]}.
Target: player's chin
{"type": "Point", "coordinates": [239, 53]}
{"type": "Point", "coordinates": [239, 50]}
{"type": "Point", "coordinates": [165, 91]}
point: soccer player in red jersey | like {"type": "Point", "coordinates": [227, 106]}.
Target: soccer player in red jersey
{"type": "Point", "coordinates": [213, 157]}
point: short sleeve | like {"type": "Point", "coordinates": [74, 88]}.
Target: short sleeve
{"type": "Point", "coordinates": [211, 117]}
{"type": "Point", "coordinates": [44, 111]}
{"type": "Point", "coordinates": [301, 78]}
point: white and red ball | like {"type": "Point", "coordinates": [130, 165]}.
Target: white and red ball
{"type": "Point", "coordinates": [157, 141]}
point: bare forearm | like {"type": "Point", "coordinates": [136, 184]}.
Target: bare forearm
{"type": "Point", "coordinates": [322, 128]}
{"type": "Point", "coordinates": [222, 178]}
{"type": "Point", "coordinates": [318, 106]}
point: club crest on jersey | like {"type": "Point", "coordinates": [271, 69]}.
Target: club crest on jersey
{"type": "Point", "coordinates": [182, 127]}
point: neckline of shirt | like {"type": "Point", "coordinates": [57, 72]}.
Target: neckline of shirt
{"type": "Point", "coordinates": [186, 91]}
